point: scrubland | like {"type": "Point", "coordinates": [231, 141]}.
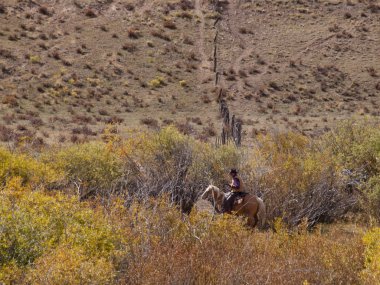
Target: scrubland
{"type": "Point", "coordinates": [121, 211]}
{"type": "Point", "coordinates": [109, 111]}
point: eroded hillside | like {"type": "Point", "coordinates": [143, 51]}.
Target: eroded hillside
{"type": "Point", "coordinates": [70, 69]}
{"type": "Point", "coordinates": [301, 64]}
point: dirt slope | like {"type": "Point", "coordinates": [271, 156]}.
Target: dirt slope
{"type": "Point", "coordinates": [301, 64]}
{"type": "Point", "coordinates": [69, 69]}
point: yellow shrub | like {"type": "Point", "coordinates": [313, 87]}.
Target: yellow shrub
{"type": "Point", "coordinates": [29, 169]}
{"type": "Point", "coordinates": [157, 82]}
{"type": "Point", "coordinates": [33, 223]}
{"type": "Point", "coordinates": [291, 161]}
{"type": "Point", "coordinates": [153, 149]}
{"type": "Point", "coordinates": [371, 273]}
{"type": "Point", "coordinates": [35, 59]}
{"type": "Point", "coordinates": [11, 273]}
{"type": "Point", "coordinates": [70, 265]}
{"type": "Point", "coordinates": [355, 145]}
{"type": "Point", "coordinates": [58, 240]}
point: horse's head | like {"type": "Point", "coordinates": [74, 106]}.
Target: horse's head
{"type": "Point", "coordinates": [206, 194]}
{"type": "Point", "coordinates": [210, 190]}
{"type": "Point", "coordinates": [214, 194]}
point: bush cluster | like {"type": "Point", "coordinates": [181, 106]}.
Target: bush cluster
{"type": "Point", "coordinates": [55, 239]}
{"type": "Point", "coordinates": [298, 177]}
{"type": "Point", "coordinates": [28, 169]}
{"type": "Point", "coordinates": [122, 211]}
{"type": "Point", "coordinates": [371, 273]}
{"type": "Point", "coordinates": [47, 239]}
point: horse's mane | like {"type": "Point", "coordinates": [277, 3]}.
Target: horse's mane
{"type": "Point", "coordinates": [210, 187]}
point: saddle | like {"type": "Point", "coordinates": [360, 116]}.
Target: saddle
{"type": "Point", "coordinates": [238, 197]}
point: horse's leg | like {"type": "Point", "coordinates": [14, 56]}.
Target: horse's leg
{"type": "Point", "coordinates": [261, 214]}
{"type": "Point", "coordinates": [252, 221]}
{"type": "Point", "coordinates": [255, 219]}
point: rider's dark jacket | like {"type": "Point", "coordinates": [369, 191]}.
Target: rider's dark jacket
{"type": "Point", "coordinates": [236, 185]}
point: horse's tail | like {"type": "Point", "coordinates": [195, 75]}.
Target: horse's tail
{"type": "Point", "coordinates": [262, 213]}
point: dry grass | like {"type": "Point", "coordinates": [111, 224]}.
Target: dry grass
{"type": "Point", "coordinates": [152, 123]}
{"type": "Point", "coordinates": [215, 257]}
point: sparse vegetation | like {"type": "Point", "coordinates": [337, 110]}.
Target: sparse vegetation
{"type": "Point", "coordinates": [372, 71]}
{"type": "Point", "coordinates": [133, 33]}
{"type": "Point", "coordinates": [130, 47]}
{"type": "Point", "coordinates": [44, 10]}
{"type": "Point", "coordinates": [169, 24]}
{"type": "Point", "coordinates": [110, 127]}
{"type": "Point", "coordinates": [2, 9]}
{"type": "Point", "coordinates": [159, 81]}
{"type": "Point", "coordinates": [90, 13]}
{"type": "Point", "coordinates": [153, 123]}
{"type": "Point", "coordinates": [67, 64]}
{"type": "Point", "coordinates": [160, 35]}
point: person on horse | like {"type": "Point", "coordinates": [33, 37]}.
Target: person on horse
{"type": "Point", "coordinates": [236, 190]}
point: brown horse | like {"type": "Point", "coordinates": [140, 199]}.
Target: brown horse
{"type": "Point", "coordinates": [250, 206]}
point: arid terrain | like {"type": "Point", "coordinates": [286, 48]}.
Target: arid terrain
{"type": "Point", "coordinates": [73, 70]}
{"type": "Point", "coordinates": [117, 115]}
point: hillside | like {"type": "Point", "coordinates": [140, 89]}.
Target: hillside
{"type": "Point", "coordinates": [111, 115]}
{"type": "Point", "coordinates": [69, 69]}
{"type": "Point", "coordinates": [301, 64]}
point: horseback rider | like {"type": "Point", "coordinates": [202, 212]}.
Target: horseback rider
{"type": "Point", "coordinates": [236, 189]}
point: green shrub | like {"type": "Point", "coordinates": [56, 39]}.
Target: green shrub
{"type": "Point", "coordinates": [91, 166]}
{"type": "Point", "coordinates": [372, 191]}
{"type": "Point", "coordinates": [356, 146]}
